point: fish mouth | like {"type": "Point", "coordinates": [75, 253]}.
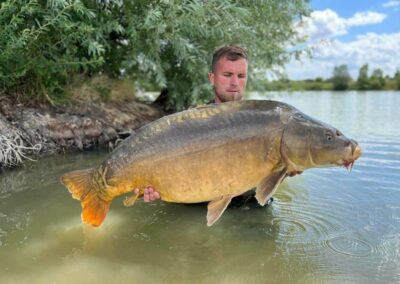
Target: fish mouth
{"type": "Point", "coordinates": [348, 163]}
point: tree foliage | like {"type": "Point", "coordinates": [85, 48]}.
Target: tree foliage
{"type": "Point", "coordinates": [340, 81]}
{"type": "Point", "coordinates": [43, 42]}
{"type": "Point", "coordinates": [397, 79]}
{"type": "Point", "coordinates": [377, 81]}
{"type": "Point", "coordinates": [341, 78]}
{"type": "Point", "coordinates": [167, 43]}
{"type": "Point", "coordinates": [363, 81]}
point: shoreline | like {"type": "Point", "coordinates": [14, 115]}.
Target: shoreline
{"type": "Point", "coordinates": [28, 132]}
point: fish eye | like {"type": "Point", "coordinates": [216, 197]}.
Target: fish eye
{"type": "Point", "coordinates": [329, 136]}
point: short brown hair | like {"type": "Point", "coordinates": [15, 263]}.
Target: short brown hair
{"type": "Point", "coordinates": [231, 52]}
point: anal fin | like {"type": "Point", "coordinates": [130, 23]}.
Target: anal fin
{"type": "Point", "coordinates": [268, 185]}
{"type": "Point", "coordinates": [216, 208]}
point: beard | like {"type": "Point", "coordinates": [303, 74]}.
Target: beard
{"type": "Point", "coordinates": [228, 97]}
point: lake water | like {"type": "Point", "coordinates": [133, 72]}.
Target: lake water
{"type": "Point", "coordinates": [325, 226]}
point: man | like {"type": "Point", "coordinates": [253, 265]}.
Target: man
{"type": "Point", "coordinates": [228, 77]}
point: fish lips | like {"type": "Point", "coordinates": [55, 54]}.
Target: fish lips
{"type": "Point", "coordinates": [355, 154]}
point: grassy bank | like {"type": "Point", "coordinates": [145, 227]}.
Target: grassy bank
{"type": "Point", "coordinates": [98, 112]}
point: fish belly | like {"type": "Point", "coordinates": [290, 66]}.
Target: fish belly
{"type": "Point", "coordinates": [203, 175]}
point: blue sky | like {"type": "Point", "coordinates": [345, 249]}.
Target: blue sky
{"type": "Point", "coordinates": [351, 32]}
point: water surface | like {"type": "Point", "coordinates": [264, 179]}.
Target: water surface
{"type": "Point", "coordinates": [325, 226]}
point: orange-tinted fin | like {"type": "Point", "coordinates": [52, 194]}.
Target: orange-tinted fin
{"type": "Point", "coordinates": [82, 187]}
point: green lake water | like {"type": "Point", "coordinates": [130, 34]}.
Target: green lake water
{"type": "Point", "coordinates": [325, 226]}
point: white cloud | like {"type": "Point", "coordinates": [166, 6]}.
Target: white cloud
{"type": "Point", "coordinates": [323, 29]}
{"type": "Point", "coordinates": [327, 23]}
{"type": "Point", "coordinates": [378, 50]}
{"type": "Point", "coordinates": [321, 24]}
{"type": "Point", "coordinates": [391, 4]}
{"type": "Point", "coordinates": [365, 18]}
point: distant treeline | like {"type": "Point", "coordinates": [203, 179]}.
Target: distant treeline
{"type": "Point", "coordinates": [340, 81]}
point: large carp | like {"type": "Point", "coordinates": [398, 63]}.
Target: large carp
{"type": "Point", "coordinates": [212, 153]}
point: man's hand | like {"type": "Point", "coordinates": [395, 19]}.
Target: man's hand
{"type": "Point", "coordinates": [150, 194]}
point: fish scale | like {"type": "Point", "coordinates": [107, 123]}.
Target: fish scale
{"type": "Point", "coordinates": [160, 136]}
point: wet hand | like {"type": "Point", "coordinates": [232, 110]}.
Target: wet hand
{"type": "Point", "coordinates": [150, 194]}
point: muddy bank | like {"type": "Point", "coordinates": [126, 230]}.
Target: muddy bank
{"type": "Point", "coordinates": [27, 131]}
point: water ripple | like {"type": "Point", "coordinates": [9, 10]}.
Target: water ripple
{"type": "Point", "coordinates": [350, 246]}
{"type": "Point", "coordinates": [304, 223]}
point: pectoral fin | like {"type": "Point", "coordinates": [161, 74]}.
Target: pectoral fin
{"type": "Point", "coordinates": [129, 201]}
{"type": "Point", "coordinates": [216, 208]}
{"type": "Point", "coordinates": [268, 186]}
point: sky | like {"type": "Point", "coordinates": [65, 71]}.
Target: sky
{"type": "Point", "coordinates": [352, 32]}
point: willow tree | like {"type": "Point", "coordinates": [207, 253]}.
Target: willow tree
{"type": "Point", "coordinates": [167, 43]}
{"type": "Point", "coordinates": [172, 41]}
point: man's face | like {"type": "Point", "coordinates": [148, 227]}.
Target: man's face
{"type": "Point", "coordinates": [229, 79]}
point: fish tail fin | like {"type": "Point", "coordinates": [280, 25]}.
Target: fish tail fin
{"type": "Point", "coordinates": [81, 184]}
